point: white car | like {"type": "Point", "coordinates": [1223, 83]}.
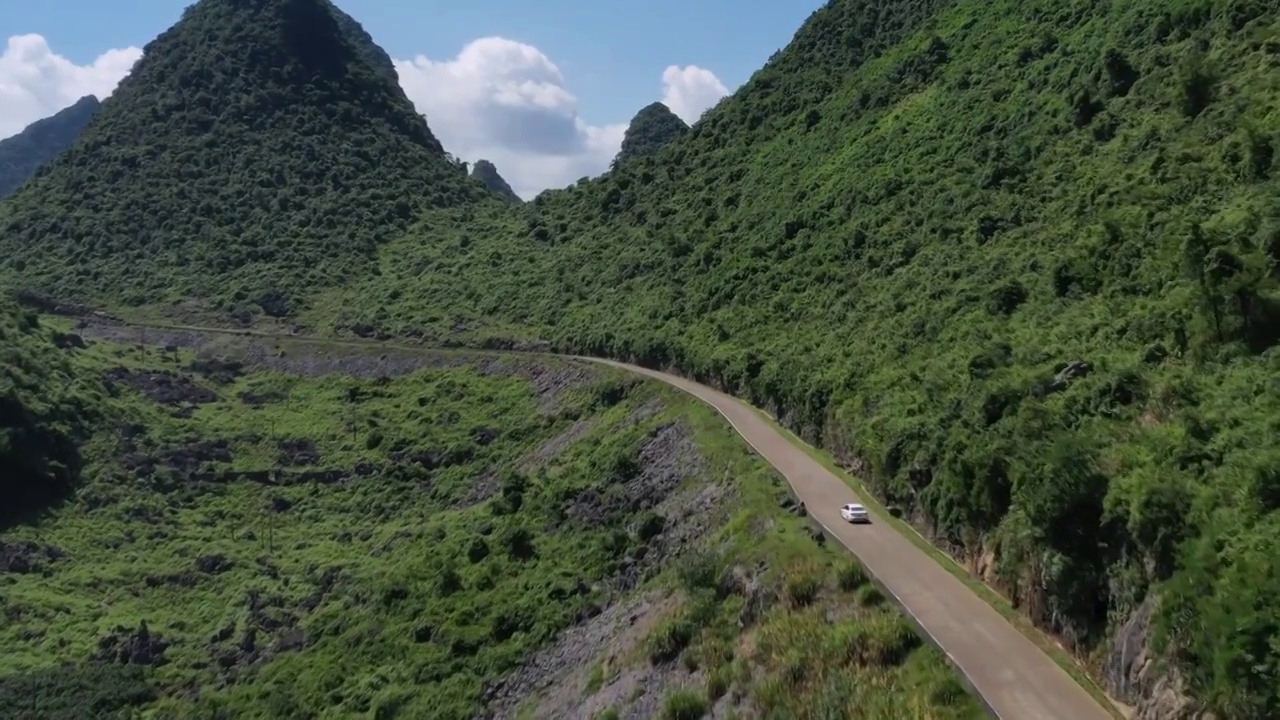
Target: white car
{"type": "Point", "coordinates": [855, 513]}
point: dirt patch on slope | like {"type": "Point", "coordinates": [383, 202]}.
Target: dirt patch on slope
{"type": "Point", "coordinates": [557, 678]}
{"type": "Point", "coordinates": [552, 449]}
{"type": "Point", "coordinates": [228, 354]}
{"type": "Point", "coordinates": [551, 378]}
{"type": "Point", "coordinates": [165, 388]}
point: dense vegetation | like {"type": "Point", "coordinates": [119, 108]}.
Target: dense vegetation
{"type": "Point", "coordinates": [652, 129]}
{"type": "Point", "coordinates": [342, 532]}
{"type": "Point", "coordinates": [48, 406]}
{"type": "Point", "coordinates": [253, 151]}
{"type": "Point", "coordinates": [487, 173]}
{"type": "Point", "coordinates": [41, 142]}
{"type": "Point", "coordinates": [1016, 259]}
{"type": "Point", "coordinates": [365, 47]}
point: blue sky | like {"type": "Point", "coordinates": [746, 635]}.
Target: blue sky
{"type": "Point", "coordinates": [610, 56]}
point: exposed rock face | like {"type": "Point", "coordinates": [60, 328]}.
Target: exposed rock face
{"type": "Point", "coordinates": [132, 647]}
{"type": "Point", "coordinates": [650, 130]}
{"type": "Point", "coordinates": [1137, 676]}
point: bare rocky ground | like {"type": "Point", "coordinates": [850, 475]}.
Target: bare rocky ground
{"type": "Point", "coordinates": [551, 378]}
{"type": "Point", "coordinates": [556, 683]}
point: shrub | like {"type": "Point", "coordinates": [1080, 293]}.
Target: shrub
{"type": "Point", "coordinates": [851, 576]}
{"type": "Point", "coordinates": [684, 705]}
{"type": "Point", "coordinates": [669, 639]}
{"type": "Point", "coordinates": [870, 596]}
{"type": "Point", "coordinates": [803, 589]}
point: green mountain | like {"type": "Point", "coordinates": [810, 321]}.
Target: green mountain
{"type": "Point", "coordinates": [487, 173]}
{"type": "Point", "coordinates": [650, 130]}
{"type": "Point", "coordinates": [40, 142]}
{"type": "Point", "coordinates": [253, 151]}
{"type": "Point", "coordinates": [1014, 262]}
{"type": "Point", "coordinates": [365, 47]}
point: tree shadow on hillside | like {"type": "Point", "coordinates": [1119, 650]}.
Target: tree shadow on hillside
{"type": "Point", "coordinates": [42, 464]}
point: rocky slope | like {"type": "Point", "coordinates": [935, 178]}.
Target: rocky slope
{"type": "Point", "coordinates": [430, 534]}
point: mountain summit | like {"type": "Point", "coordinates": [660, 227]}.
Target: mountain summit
{"type": "Point", "coordinates": [253, 150]}
{"type": "Point", "coordinates": [650, 130]}
{"type": "Point", "coordinates": [487, 173]}
{"type": "Point", "coordinates": [41, 142]}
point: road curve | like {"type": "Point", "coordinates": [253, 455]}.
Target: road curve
{"type": "Point", "coordinates": [1015, 679]}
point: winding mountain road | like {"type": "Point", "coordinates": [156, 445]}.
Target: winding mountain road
{"type": "Point", "coordinates": [1014, 678]}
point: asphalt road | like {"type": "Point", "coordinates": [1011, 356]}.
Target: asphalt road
{"type": "Point", "coordinates": [1014, 677]}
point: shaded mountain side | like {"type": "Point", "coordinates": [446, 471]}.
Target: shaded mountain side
{"type": "Point", "coordinates": [48, 406]}
{"type": "Point", "coordinates": [251, 152]}
{"type": "Point", "coordinates": [40, 142]}
{"type": "Point", "coordinates": [654, 127]}
{"type": "Point", "coordinates": [487, 173]}
{"type": "Point", "coordinates": [1013, 262]}
{"type": "Point", "coordinates": [370, 51]}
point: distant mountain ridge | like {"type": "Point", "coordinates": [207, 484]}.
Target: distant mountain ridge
{"type": "Point", "coordinates": [42, 141]}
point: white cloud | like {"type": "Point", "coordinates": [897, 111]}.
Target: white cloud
{"type": "Point", "coordinates": [507, 102]}
{"type": "Point", "coordinates": [499, 99]}
{"type": "Point", "coordinates": [36, 83]}
{"type": "Point", "coordinates": [691, 91]}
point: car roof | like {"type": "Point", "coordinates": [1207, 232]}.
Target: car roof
{"type": "Point", "coordinates": [854, 506]}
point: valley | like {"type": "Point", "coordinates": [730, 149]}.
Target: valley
{"type": "Point", "coordinates": [276, 527]}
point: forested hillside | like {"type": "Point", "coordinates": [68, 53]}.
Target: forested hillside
{"type": "Point", "coordinates": [253, 151]}
{"type": "Point", "coordinates": [40, 142]}
{"type": "Point", "coordinates": [1015, 261]}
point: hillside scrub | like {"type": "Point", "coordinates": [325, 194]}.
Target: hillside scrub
{"type": "Point", "coordinates": [385, 534]}
{"type": "Point", "coordinates": [1016, 261]}
{"type": "Point", "coordinates": [48, 409]}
